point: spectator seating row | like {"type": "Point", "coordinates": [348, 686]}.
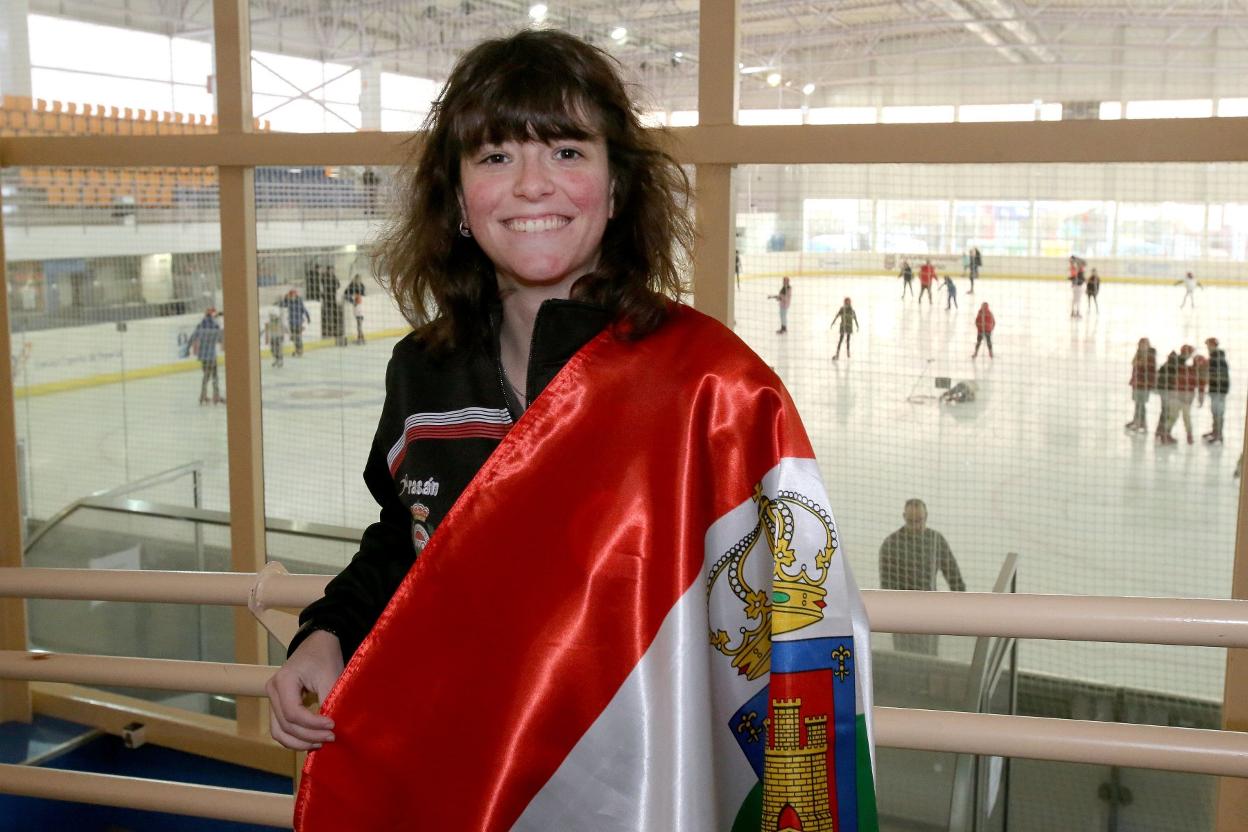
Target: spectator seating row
{"type": "Point", "coordinates": [144, 187]}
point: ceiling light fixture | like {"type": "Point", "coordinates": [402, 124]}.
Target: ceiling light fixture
{"type": "Point", "coordinates": [537, 12]}
{"type": "Point", "coordinates": [618, 34]}
{"type": "Point", "coordinates": [773, 80]}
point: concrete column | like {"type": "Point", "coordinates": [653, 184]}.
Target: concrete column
{"type": "Point", "coordinates": [370, 96]}
{"type": "Point", "coordinates": [14, 48]}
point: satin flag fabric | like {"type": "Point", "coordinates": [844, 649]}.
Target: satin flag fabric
{"type": "Point", "coordinates": [636, 618]}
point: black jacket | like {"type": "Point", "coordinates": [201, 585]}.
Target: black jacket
{"type": "Point", "coordinates": [416, 477]}
{"type": "Point", "coordinates": [1219, 372]}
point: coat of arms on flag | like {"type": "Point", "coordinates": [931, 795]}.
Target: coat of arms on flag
{"type": "Point", "coordinates": [798, 729]}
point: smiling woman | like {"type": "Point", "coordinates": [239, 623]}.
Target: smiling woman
{"type": "Point", "coordinates": [537, 582]}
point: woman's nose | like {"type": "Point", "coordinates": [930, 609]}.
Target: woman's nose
{"type": "Point", "coordinates": [533, 180]}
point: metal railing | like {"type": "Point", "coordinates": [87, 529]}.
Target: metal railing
{"type": "Point", "coordinates": [1221, 623]}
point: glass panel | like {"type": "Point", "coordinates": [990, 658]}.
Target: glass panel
{"type": "Point", "coordinates": [379, 66]}
{"type": "Point", "coordinates": [110, 272]}
{"type": "Point", "coordinates": [1038, 461]}
{"type": "Point", "coordinates": [323, 378]}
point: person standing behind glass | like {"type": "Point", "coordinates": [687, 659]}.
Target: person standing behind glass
{"type": "Point", "coordinates": [1143, 381]}
{"type": "Point", "coordinates": [1219, 373]}
{"type": "Point", "coordinates": [909, 559]}
{"type": "Point", "coordinates": [785, 297]}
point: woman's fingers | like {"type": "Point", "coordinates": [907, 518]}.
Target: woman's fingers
{"type": "Point", "coordinates": [292, 724]}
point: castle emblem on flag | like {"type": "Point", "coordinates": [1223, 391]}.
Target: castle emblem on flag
{"type": "Point", "coordinates": [800, 537]}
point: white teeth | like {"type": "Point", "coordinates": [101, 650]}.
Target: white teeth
{"type": "Point", "coordinates": [544, 224]}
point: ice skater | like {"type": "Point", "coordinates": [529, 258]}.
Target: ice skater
{"type": "Point", "coordinates": [985, 323]}
{"type": "Point", "coordinates": [296, 315]}
{"type": "Point", "coordinates": [1077, 280]}
{"type": "Point", "coordinates": [927, 276]}
{"type": "Point", "coordinates": [1167, 379]}
{"type": "Point", "coordinates": [951, 302]}
{"type": "Point", "coordinates": [354, 297]}
{"type": "Point", "coordinates": [907, 279]}
{"type": "Point", "coordinates": [275, 332]}
{"type": "Point", "coordinates": [1143, 382]}
{"type": "Point", "coordinates": [784, 297]}
{"type": "Point", "coordinates": [1218, 380]}
{"type": "Point", "coordinates": [1092, 289]}
{"type": "Point", "coordinates": [1190, 283]}
{"type": "Point", "coordinates": [849, 323]}
{"type": "Point", "coordinates": [976, 260]}
{"type": "Point", "coordinates": [204, 341]}
{"type": "Point", "coordinates": [1186, 384]}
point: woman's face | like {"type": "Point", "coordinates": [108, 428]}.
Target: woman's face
{"type": "Point", "coordinates": [538, 210]}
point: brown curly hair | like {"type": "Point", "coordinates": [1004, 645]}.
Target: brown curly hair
{"type": "Point", "coordinates": [540, 85]}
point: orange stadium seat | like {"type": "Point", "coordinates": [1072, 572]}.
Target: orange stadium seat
{"type": "Point", "coordinates": [18, 102]}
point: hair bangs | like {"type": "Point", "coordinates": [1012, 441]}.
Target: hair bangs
{"type": "Point", "coordinates": [518, 107]}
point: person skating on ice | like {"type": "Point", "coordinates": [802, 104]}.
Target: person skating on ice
{"type": "Point", "coordinates": [275, 332]}
{"type": "Point", "coordinates": [1143, 381]}
{"type": "Point", "coordinates": [951, 302]}
{"type": "Point", "coordinates": [1077, 280]}
{"type": "Point", "coordinates": [1092, 289]}
{"type": "Point", "coordinates": [1167, 379]}
{"type": "Point", "coordinates": [927, 276]}
{"type": "Point", "coordinates": [1190, 283]}
{"type": "Point", "coordinates": [784, 297]}
{"type": "Point", "coordinates": [849, 323]}
{"type": "Point", "coordinates": [1218, 374]}
{"type": "Point", "coordinates": [985, 323]}
{"type": "Point", "coordinates": [907, 279]}
{"type": "Point", "coordinates": [204, 341]}
{"type": "Point", "coordinates": [976, 260]}
{"type": "Point", "coordinates": [296, 316]}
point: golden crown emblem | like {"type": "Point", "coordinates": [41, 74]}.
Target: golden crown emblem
{"type": "Point", "coordinates": [801, 538]}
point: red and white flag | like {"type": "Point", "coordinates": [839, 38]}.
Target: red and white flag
{"type": "Point", "coordinates": [637, 618]}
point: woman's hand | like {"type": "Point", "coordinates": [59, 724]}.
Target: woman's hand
{"type": "Point", "coordinates": [313, 668]}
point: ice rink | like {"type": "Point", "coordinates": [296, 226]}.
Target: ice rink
{"type": "Point", "coordinates": [1039, 464]}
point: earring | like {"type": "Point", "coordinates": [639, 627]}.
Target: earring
{"type": "Point", "coordinates": [464, 230]}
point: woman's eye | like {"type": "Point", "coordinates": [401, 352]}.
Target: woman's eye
{"type": "Point", "coordinates": [494, 158]}
{"type": "Point", "coordinates": [568, 153]}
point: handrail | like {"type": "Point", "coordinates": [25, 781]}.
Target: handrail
{"type": "Point", "coordinates": [1196, 750]}
{"type": "Point", "coordinates": [194, 468]}
{"type": "Point", "coordinates": [1193, 750]}
{"type": "Point", "coordinates": [211, 517]}
{"type": "Point", "coordinates": [106, 501]}
{"type": "Point", "coordinates": [1193, 622]}
{"type": "Point", "coordinates": [159, 586]}
{"type": "Point", "coordinates": [219, 803]}
{"type": "Point", "coordinates": [120, 671]}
